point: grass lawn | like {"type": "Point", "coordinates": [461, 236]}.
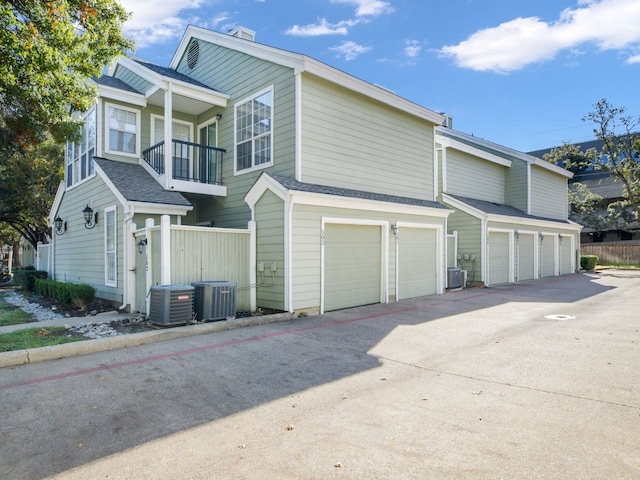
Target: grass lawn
{"type": "Point", "coordinates": [34, 338]}
{"type": "Point", "coordinates": [12, 315]}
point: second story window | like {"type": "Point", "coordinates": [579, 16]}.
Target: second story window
{"type": "Point", "coordinates": [123, 130]}
{"type": "Point", "coordinates": [79, 155]}
{"type": "Point", "coordinates": [254, 132]}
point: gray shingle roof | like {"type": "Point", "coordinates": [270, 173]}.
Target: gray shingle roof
{"type": "Point", "coordinates": [113, 82]}
{"type": "Point", "coordinates": [292, 184]}
{"type": "Point", "coordinates": [492, 208]}
{"type": "Point", "coordinates": [136, 185]}
{"type": "Point", "coordinates": [170, 73]}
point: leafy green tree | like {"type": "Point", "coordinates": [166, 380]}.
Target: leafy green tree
{"type": "Point", "coordinates": [48, 49]}
{"type": "Point", "coordinates": [28, 183]}
{"type": "Point", "coordinates": [618, 157]}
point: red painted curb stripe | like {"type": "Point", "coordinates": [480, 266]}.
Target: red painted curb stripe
{"type": "Point", "coordinates": [228, 343]}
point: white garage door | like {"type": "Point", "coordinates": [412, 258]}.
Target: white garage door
{"type": "Point", "coordinates": [566, 254]}
{"type": "Point", "coordinates": [417, 261]}
{"type": "Point", "coordinates": [353, 265]}
{"type": "Point", "coordinates": [526, 256]}
{"type": "Point", "coordinates": [498, 258]}
{"type": "Point", "coordinates": [547, 257]}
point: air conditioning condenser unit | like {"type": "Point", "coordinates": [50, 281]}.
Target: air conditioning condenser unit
{"type": "Point", "coordinates": [171, 305]}
{"type": "Point", "coordinates": [215, 300]}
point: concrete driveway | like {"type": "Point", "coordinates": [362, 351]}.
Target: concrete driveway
{"type": "Point", "coordinates": [537, 380]}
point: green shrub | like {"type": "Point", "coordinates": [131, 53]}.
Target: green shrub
{"type": "Point", "coordinates": [588, 262]}
{"type": "Point", "coordinates": [78, 294]}
{"type": "Point", "coordinates": [26, 278]}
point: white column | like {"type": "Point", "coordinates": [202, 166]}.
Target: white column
{"type": "Point", "coordinates": [252, 265]}
{"type": "Point", "coordinates": [165, 250]}
{"type": "Point", "coordinates": [168, 122]}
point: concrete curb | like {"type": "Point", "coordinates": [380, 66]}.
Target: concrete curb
{"type": "Point", "coordinates": [22, 357]}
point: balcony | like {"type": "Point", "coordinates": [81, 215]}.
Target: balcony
{"type": "Point", "coordinates": [194, 168]}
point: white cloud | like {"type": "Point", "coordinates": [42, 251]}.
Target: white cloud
{"type": "Point", "coordinates": [322, 27]}
{"type": "Point", "coordinates": [365, 10]}
{"type": "Point", "coordinates": [350, 50]}
{"type": "Point", "coordinates": [160, 21]}
{"type": "Point", "coordinates": [412, 48]}
{"type": "Point", "coordinates": [609, 24]}
{"type": "Point", "coordinates": [368, 8]}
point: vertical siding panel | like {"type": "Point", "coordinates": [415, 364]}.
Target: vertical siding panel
{"type": "Point", "coordinates": [470, 176]}
{"type": "Point", "coordinates": [548, 194]}
{"type": "Point", "coordinates": [352, 141]}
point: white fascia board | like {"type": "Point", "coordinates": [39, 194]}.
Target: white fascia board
{"type": "Point", "coordinates": [532, 222]}
{"type": "Point", "coordinates": [179, 87]}
{"type": "Point", "coordinates": [160, 208]}
{"type": "Point", "coordinates": [476, 152]}
{"type": "Point", "coordinates": [463, 207]}
{"type": "Point", "coordinates": [261, 185]}
{"type": "Point", "coordinates": [199, 93]}
{"type": "Point", "coordinates": [265, 52]}
{"type": "Point", "coordinates": [131, 98]}
{"type": "Point", "coordinates": [336, 201]}
{"type": "Point", "coordinates": [142, 71]}
{"type": "Point", "coordinates": [55, 206]}
{"type": "Point", "coordinates": [380, 94]}
{"type": "Point", "coordinates": [301, 63]}
{"type": "Point", "coordinates": [550, 166]}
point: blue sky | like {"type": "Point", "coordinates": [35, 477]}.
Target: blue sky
{"type": "Point", "coordinates": [520, 73]}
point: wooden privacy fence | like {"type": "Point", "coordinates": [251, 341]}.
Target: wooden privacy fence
{"type": "Point", "coordinates": [614, 253]}
{"type": "Point", "coordinates": [197, 253]}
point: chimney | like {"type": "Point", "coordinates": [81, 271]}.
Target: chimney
{"type": "Point", "coordinates": [242, 32]}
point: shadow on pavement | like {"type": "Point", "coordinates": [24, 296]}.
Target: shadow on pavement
{"type": "Point", "coordinates": [69, 412]}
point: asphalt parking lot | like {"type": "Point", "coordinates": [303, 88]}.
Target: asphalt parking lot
{"type": "Point", "coordinates": [529, 381]}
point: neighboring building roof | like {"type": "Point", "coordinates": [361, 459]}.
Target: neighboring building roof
{"type": "Point", "coordinates": [492, 208]}
{"type": "Point", "coordinates": [136, 185]}
{"type": "Point", "coordinates": [113, 82]}
{"type": "Point", "coordinates": [292, 184]}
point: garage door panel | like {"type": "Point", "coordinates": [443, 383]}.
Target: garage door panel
{"type": "Point", "coordinates": [498, 258]}
{"type": "Point", "coordinates": [526, 256]}
{"type": "Point", "coordinates": [417, 263]}
{"type": "Point", "coordinates": [547, 257]}
{"type": "Point", "coordinates": [353, 265]}
{"type": "Point", "coordinates": [566, 254]}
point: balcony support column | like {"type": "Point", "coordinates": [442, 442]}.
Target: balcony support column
{"type": "Point", "coordinates": [168, 134]}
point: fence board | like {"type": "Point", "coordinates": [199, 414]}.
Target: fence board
{"type": "Point", "coordinates": [617, 253]}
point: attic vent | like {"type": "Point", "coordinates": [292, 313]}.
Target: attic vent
{"type": "Point", "coordinates": [193, 54]}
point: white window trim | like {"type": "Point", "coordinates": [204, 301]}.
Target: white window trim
{"type": "Point", "coordinates": [74, 184]}
{"type": "Point", "coordinates": [107, 282]}
{"type": "Point", "coordinates": [211, 121]}
{"type": "Point", "coordinates": [262, 166]}
{"type": "Point", "coordinates": [152, 133]}
{"type": "Point", "coordinates": [137, 153]}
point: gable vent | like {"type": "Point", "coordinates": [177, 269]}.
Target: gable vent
{"type": "Point", "coordinates": [193, 54]}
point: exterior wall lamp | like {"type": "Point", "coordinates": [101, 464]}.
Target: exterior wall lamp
{"type": "Point", "coordinates": [60, 225]}
{"type": "Point", "coordinates": [394, 228]}
{"type": "Point", "coordinates": [560, 238]}
{"type": "Point", "coordinates": [517, 233]}
{"type": "Point", "coordinates": [90, 219]}
{"type": "Point", "coordinates": [218, 116]}
{"type": "Point", "coordinates": [141, 244]}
